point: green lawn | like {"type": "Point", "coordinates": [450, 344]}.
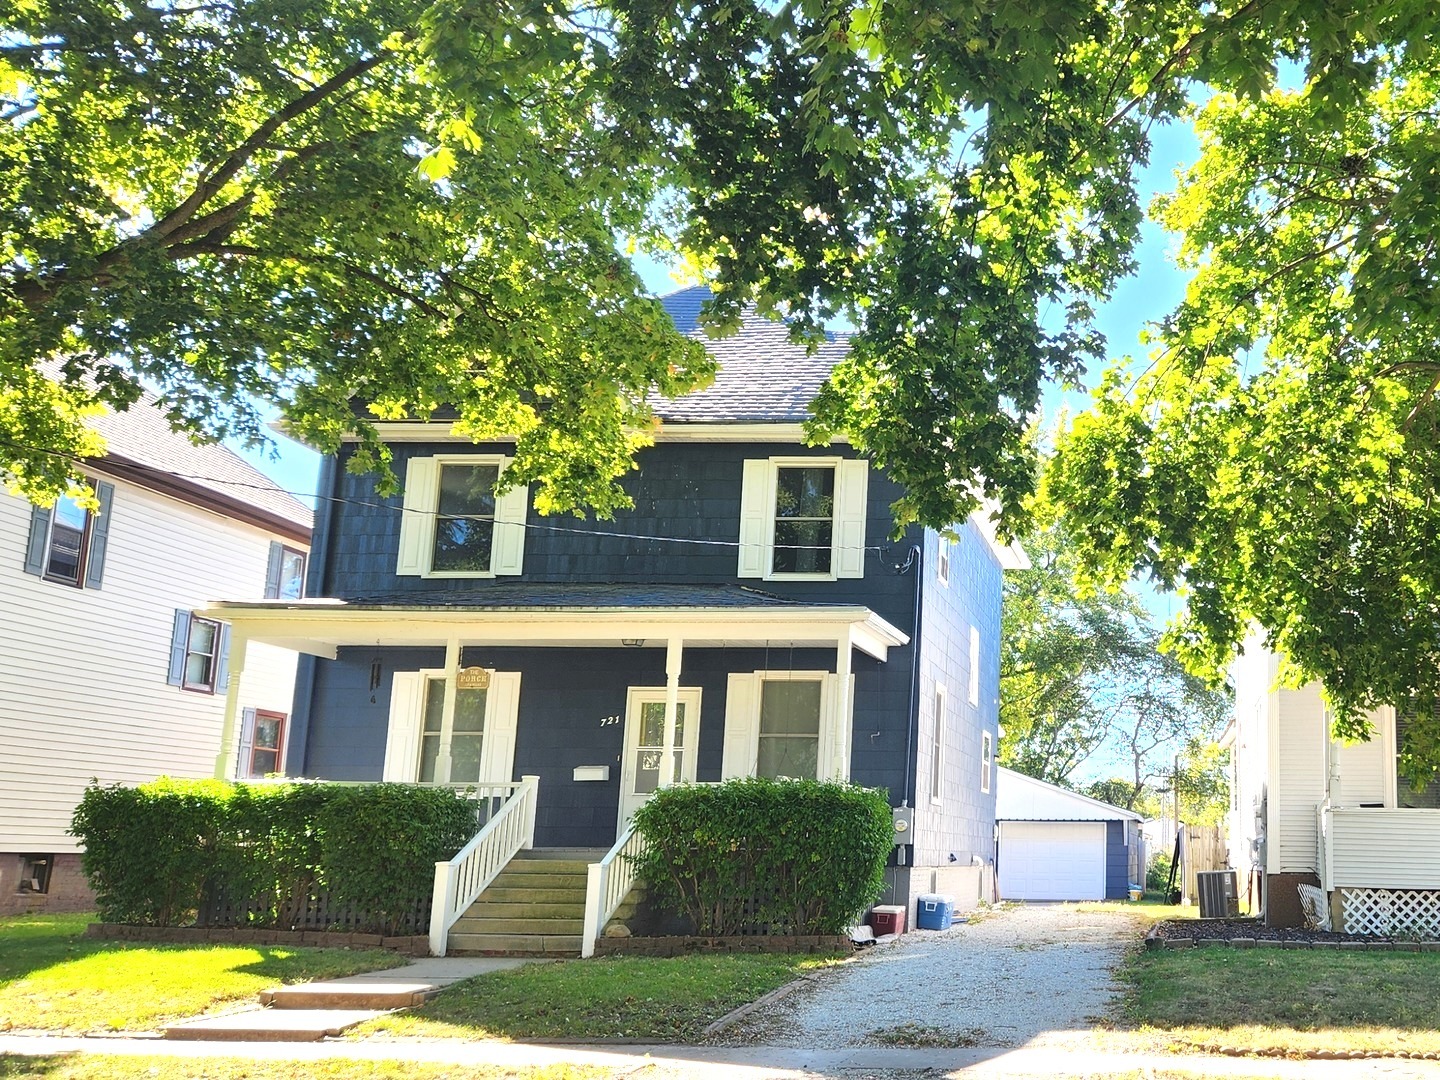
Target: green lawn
{"type": "Point", "coordinates": [632, 997]}
{"type": "Point", "coordinates": [1287, 1000]}
{"type": "Point", "coordinates": [102, 1067]}
{"type": "Point", "coordinates": [53, 978]}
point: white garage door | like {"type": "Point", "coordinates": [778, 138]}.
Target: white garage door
{"type": "Point", "coordinates": [1052, 860]}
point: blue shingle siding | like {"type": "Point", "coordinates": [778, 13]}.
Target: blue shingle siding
{"type": "Point", "coordinates": [962, 824]}
{"type": "Point", "coordinates": [1117, 862]}
{"type": "Point", "coordinates": [687, 491]}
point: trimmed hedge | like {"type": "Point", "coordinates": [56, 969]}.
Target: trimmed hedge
{"type": "Point", "coordinates": [765, 856]}
{"type": "Point", "coordinates": [159, 854]}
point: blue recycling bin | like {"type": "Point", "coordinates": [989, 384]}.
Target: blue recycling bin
{"type": "Point", "coordinates": [934, 911]}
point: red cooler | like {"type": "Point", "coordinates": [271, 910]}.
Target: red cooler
{"type": "Point", "coordinates": [887, 919]}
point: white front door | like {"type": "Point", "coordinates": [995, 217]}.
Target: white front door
{"type": "Point", "coordinates": [644, 743]}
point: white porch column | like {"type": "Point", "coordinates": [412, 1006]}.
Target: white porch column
{"type": "Point", "coordinates": [447, 714]}
{"type": "Point", "coordinates": [674, 647]}
{"type": "Point", "coordinates": [225, 760]}
{"type": "Point", "coordinates": [844, 706]}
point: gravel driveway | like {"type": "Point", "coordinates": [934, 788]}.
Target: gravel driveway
{"type": "Point", "coordinates": [1034, 974]}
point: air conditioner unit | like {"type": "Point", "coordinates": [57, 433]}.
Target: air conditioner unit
{"type": "Point", "coordinates": [1219, 898]}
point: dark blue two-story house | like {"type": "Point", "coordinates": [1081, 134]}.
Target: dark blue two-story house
{"type": "Point", "coordinates": [753, 597]}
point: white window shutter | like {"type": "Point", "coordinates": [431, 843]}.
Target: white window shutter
{"type": "Point", "coordinates": [402, 742]}
{"type": "Point", "coordinates": [757, 518]}
{"type": "Point", "coordinates": [742, 726]}
{"type": "Point", "coordinates": [417, 520]}
{"type": "Point", "coordinates": [851, 498]}
{"type": "Point", "coordinates": [835, 722]}
{"type": "Point", "coordinates": [247, 740]}
{"type": "Point", "coordinates": [502, 713]}
{"type": "Point", "coordinates": [508, 546]}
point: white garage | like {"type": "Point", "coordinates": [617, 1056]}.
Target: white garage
{"type": "Point", "coordinates": [1054, 844]}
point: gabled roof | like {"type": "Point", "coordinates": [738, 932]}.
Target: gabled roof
{"type": "Point", "coordinates": [1023, 798]}
{"type": "Point", "coordinates": [763, 376]}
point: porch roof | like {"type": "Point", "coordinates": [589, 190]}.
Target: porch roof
{"type": "Point", "coordinates": [581, 615]}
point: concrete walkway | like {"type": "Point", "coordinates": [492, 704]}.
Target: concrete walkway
{"type": "Point", "coordinates": [749, 1063]}
{"type": "Point", "coordinates": [312, 1011]}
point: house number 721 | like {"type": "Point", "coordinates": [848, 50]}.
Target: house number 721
{"type": "Point", "coordinates": [606, 721]}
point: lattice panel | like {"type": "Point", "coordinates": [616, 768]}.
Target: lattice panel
{"type": "Point", "coordinates": [1391, 911]}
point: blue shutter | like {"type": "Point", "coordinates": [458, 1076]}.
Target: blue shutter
{"type": "Point", "coordinates": [222, 660]}
{"type": "Point", "coordinates": [272, 570]}
{"type": "Point", "coordinates": [179, 639]}
{"type": "Point", "coordinates": [39, 539]}
{"type": "Point", "coordinates": [99, 535]}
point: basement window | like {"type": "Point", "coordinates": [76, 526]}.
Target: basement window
{"type": "Point", "coordinates": [35, 873]}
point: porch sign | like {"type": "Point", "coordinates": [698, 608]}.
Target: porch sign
{"type": "Point", "coordinates": [472, 678]}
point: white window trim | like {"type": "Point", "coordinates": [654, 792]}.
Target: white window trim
{"type": "Point", "coordinates": [942, 559]}
{"type": "Point", "coordinates": [776, 464]}
{"type": "Point", "coordinates": [987, 760]}
{"type": "Point", "coordinates": [635, 697]}
{"type": "Point", "coordinates": [418, 522]}
{"type": "Point", "coordinates": [937, 749]}
{"type": "Point", "coordinates": [824, 678]}
{"type": "Point", "coordinates": [844, 517]}
{"type": "Point", "coordinates": [406, 724]}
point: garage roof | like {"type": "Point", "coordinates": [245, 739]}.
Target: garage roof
{"type": "Point", "coordinates": [1023, 798]}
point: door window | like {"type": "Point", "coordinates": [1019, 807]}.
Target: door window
{"type": "Point", "coordinates": [651, 745]}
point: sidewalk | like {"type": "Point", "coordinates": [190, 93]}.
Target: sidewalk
{"type": "Point", "coordinates": [746, 1063]}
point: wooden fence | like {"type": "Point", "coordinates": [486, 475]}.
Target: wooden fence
{"type": "Point", "coordinates": [1203, 850]}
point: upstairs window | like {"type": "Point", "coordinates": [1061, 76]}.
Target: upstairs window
{"type": "Point", "coordinates": [285, 574]}
{"type": "Point", "coordinates": [454, 525]}
{"type": "Point", "coordinates": [942, 560]}
{"type": "Point", "coordinates": [465, 519]}
{"type": "Point", "coordinates": [199, 654]}
{"type": "Point", "coordinates": [803, 519]}
{"type": "Point", "coordinates": [67, 542]}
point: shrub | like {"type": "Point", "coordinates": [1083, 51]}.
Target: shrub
{"type": "Point", "coordinates": [155, 853]}
{"type": "Point", "coordinates": [778, 856]}
{"type": "Point", "coordinates": [1157, 874]}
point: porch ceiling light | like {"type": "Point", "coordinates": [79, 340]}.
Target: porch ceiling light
{"type": "Point", "coordinates": [632, 642]}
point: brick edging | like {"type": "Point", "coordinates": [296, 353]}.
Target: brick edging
{"type": "Point", "coordinates": [1316, 1055]}
{"type": "Point", "coordinates": [686, 945]}
{"type": "Point", "coordinates": [1154, 941]}
{"type": "Point", "coordinates": [407, 945]}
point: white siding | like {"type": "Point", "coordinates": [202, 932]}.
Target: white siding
{"type": "Point", "coordinates": [1385, 849]}
{"type": "Point", "coordinates": [83, 688]}
{"type": "Point", "coordinates": [1363, 766]}
{"type": "Point", "coordinates": [1252, 673]}
{"type": "Point", "coordinates": [1300, 787]}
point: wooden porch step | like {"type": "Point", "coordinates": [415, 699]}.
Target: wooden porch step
{"type": "Point", "coordinates": [540, 894]}
{"type": "Point", "coordinates": [506, 944]}
{"type": "Point", "coordinates": [567, 882]}
{"type": "Point", "coordinates": [539, 927]}
{"type": "Point", "coordinates": [525, 909]}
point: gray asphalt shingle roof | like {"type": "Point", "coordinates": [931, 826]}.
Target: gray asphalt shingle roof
{"type": "Point", "coordinates": [142, 435]}
{"type": "Point", "coordinates": [763, 376]}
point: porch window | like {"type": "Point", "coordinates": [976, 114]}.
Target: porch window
{"type": "Point", "coordinates": [804, 520]}
{"type": "Point", "coordinates": [789, 736]}
{"type": "Point", "coordinates": [266, 738]}
{"type": "Point", "coordinates": [1406, 797]}
{"type": "Point", "coordinates": [466, 736]}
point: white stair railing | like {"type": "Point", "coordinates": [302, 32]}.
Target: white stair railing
{"type": "Point", "coordinates": [607, 884]}
{"type": "Point", "coordinates": [460, 881]}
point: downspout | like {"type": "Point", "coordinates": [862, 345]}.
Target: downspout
{"type": "Point", "coordinates": [913, 562]}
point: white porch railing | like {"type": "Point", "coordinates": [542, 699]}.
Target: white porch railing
{"type": "Point", "coordinates": [608, 883]}
{"type": "Point", "coordinates": [510, 828]}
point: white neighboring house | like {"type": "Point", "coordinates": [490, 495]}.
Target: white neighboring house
{"type": "Point", "coordinates": [1306, 810]}
{"type": "Point", "coordinates": [105, 673]}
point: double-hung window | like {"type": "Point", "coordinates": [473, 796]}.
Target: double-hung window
{"type": "Point", "coordinates": [789, 736]}
{"type": "Point", "coordinates": [803, 518]}
{"type": "Point", "coordinates": [67, 541]}
{"type": "Point", "coordinates": [937, 747]}
{"type": "Point", "coordinates": [285, 575]}
{"type": "Point", "coordinates": [199, 654]}
{"type": "Point", "coordinates": [455, 525]}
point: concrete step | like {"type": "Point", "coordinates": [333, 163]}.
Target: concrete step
{"type": "Point", "coordinates": [521, 944]}
{"type": "Point", "coordinates": [510, 894]}
{"type": "Point", "coordinates": [566, 883]}
{"type": "Point", "coordinates": [557, 854]}
{"type": "Point", "coordinates": [272, 1025]}
{"type": "Point", "coordinates": [541, 927]}
{"type": "Point", "coordinates": [350, 994]}
{"type": "Point", "coordinates": [487, 908]}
